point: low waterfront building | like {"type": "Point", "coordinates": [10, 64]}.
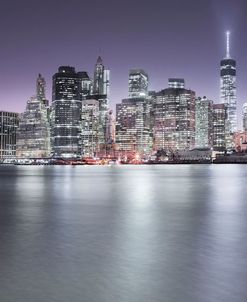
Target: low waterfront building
{"type": "Point", "coordinates": [240, 141]}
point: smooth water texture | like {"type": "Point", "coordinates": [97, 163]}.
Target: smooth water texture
{"type": "Point", "coordinates": [123, 233]}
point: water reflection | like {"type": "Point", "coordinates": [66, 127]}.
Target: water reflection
{"type": "Point", "coordinates": [128, 233]}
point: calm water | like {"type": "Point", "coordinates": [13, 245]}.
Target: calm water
{"type": "Point", "coordinates": [128, 233]}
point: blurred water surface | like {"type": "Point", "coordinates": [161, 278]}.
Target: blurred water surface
{"type": "Point", "coordinates": [123, 233]}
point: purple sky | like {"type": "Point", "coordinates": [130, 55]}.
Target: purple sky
{"type": "Point", "coordinates": [178, 38]}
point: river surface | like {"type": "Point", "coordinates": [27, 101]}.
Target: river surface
{"type": "Point", "coordinates": [123, 233]}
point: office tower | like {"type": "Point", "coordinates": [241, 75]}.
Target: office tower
{"type": "Point", "coordinates": [204, 123]}
{"type": "Point", "coordinates": [174, 119]}
{"type": "Point", "coordinates": [101, 93]}
{"type": "Point", "coordinates": [8, 126]}
{"type": "Point", "coordinates": [40, 87]}
{"type": "Point", "coordinates": [245, 116]}
{"type": "Point", "coordinates": [33, 133]}
{"type": "Point", "coordinates": [85, 85]}
{"type": "Point", "coordinates": [132, 127]}
{"type": "Point", "coordinates": [138, 83]}
{"type": "Point", "coordinates": [90, 127]}
{"type": "Point", "coordinates": [228, 87]}
{"type": "Point", "coordinates": [176, 83]}
{"type": "Point", "coordinates": [110, 127]}
{"type": "Point", "coordinates": [101, 79]}
{"type": "Point", "coordinates": [66, 113]}
{"type": "Point", "coordinates": [219, 126]}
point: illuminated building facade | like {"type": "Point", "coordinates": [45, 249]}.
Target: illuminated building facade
{"type": "Point", "coordinates": [240, 141]}
{"type": "Point", "coordinates": [110, 127]}
{"type": "Point", "coordinates": [174, 119]}
{"type": "Point", "coordinates": [33, 133]}
{"type": "Point", "coordinates": [101, 94]}
{"type": "Point", "coordinates": [204, 123]}
{"type": "Point", "coordinates": [132, 127]}
{"type": "Point", "coordinates": [90, 127]}
{"type": "Point", "coordinates": [138, 83]}
{"type": "Point", "coordinates": [219, 127]}
{"type": "Point", "coordinates": [245, 116]}
{"type": "Point", "coordinates": [8, 127]}
{"type": "Point", "coordinates": [66, 113]}
{"type": "Point", "coordinates": [228, 87]}
{"type": "Point", "coordinates": [85, 85]}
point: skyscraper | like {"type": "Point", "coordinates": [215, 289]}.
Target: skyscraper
{"type": "Point", "coordinates": [174, 119]}
{"type": "Point", "coordinates": [101, 93]}
{"type": "Point", "coordinates": [33, 133]}
{"type": "Point", "coordinates": [132, 127]}
{"type": "Point", "coordinates": [204, 123]}
{"type": "Point", "coordinates": [138, 83]}
{"type": "Point", "coordinates": [85, 85]}
{"type": "Point", "coordinates": [8, 126]}
{"type": "Point", "coordinates": [66, 113]}
{"type": "Point", "coordinates": [245, 116]}
{"type": "Point", "coordinates": [228, 86]}
{"type": "Point", "coordinates": [101, 78]}
{"type": "Point", "coordinates": [40, 87]}
{"type": "Point", "coordinates": [90, 127]}
{"type": "Point", "coordinates": [219, 127]}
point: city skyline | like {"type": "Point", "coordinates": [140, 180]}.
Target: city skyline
{"type": "Point", "coordinates": [164, 48]}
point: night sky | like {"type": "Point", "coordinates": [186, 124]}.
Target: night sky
{"type": "Point", "coordinates": [178, 38]}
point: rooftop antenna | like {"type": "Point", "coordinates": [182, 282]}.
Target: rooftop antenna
{"type": "Point", "coordinates": [228, 45]}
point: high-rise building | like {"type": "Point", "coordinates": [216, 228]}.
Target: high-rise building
{"type": "Point", "coordinates": [66, 113]}
{"type": "Point", "coordinates": [40, 87]}
{"type": "Point", "coordinates": [101, 93]}
{"type": "Point", "coordinates": [90, 127]}
{"type": "Point", "coordinates": [110, 127]}
{"type": "Point", "coordinates": [33, 133]}
{"type": "Point", "coordinates": [174, 119]}
{"type": "Point", "coordinates": [138, 83]}
{"type": "Point", "coordinates": [245, 116]}
{"type": "Point", "coordinates": [204, 123]}
{"type": "Point", "coordinates": [132, 127]}
{"type": "Point", "coordinates": [85, 85]}
{"type": "Point", "coordinates": [219, 127]}
{"type": "Point", "coordinates": [101, 79]}
{"type": "Point", "coordinates": [8, 126]}
{"type": "Point", "coordinates": [228, 87]}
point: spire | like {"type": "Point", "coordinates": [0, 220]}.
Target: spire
{"type": "Point", "coordinates": [99, 60]}
{"type": "Point", "coordinates": [228, 45]}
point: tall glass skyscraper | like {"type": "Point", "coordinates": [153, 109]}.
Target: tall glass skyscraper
{"type": "Point", "coordinates": [204, 123]}
{"type": "Point", "coordinates": [228, 86]}
{"type": "Point", "coordinates": [101, 93]}
{"type": "Point", "coordinates": [66, 113]}
{"type": "Point", "coordinates": [245, 116]}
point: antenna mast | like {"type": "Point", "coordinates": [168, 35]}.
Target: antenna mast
{"type": "Point", "coordinates": [228, 45]}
